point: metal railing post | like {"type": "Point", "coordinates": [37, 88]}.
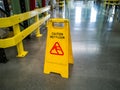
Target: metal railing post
{"type": "Point", "coordinates": [20, 49]}
{"type": "Point", "coordinates": [38, 34]}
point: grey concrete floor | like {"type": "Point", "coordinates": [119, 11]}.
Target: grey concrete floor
{"type": "Point", "coordinates": [95, 36]}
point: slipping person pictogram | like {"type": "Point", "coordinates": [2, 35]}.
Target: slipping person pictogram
{"type": "Point", "coordinates": [56, 49]}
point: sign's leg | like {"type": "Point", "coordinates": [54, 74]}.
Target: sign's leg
{"type": "Point", "coordinates": [56, 68]}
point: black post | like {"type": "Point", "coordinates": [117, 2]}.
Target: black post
{"type": "Point", "coordinates": [23, 9]}
{"type": "Point", "coordinates": [3, 58]}
{"type": "Point", "coordinates": [7, 10]}
{"type": "Point", "coordinates": [6, 5]}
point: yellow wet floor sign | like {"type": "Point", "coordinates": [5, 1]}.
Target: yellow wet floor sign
{"type": "Point", "coordinates": [58, 53]}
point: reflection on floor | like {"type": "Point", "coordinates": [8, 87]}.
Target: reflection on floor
{"type": "Point", "coordinates": [96, 48]}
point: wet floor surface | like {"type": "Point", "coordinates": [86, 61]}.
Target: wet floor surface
{"type": "Point", "coordinates": [96, 49]}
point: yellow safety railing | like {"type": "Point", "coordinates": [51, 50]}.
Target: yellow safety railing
{"type": "Point", "coordinates": [19, 35]}
{"type": "Point", "coordinates": [111, 2]}
{"type": "Point", "coordinates": [61, 3]}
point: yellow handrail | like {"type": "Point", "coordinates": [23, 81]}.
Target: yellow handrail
{"type": "Point", "coordinates": [10, 21]}
{"type": "Point", "coordinates": [111, 2]}
{"type": "Point", "coordinates": [19, 35]}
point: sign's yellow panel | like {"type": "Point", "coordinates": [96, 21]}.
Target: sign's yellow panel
{"type": "Point", "coordinates": [58, 47]}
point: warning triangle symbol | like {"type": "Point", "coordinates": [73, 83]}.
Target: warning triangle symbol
{"type": "Point", "coordinates": [56, 49]}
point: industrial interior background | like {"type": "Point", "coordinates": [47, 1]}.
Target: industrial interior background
{"type": "Point", "coordinates": [95, 34]}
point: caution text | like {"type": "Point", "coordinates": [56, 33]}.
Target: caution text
{"type": "Point", "coordinates": [57, 35]}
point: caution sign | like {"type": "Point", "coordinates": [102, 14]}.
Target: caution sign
{"type": "Point", "coordinates": [56, 50]}
{"type": "Point", "coordinates": [58, 53]}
